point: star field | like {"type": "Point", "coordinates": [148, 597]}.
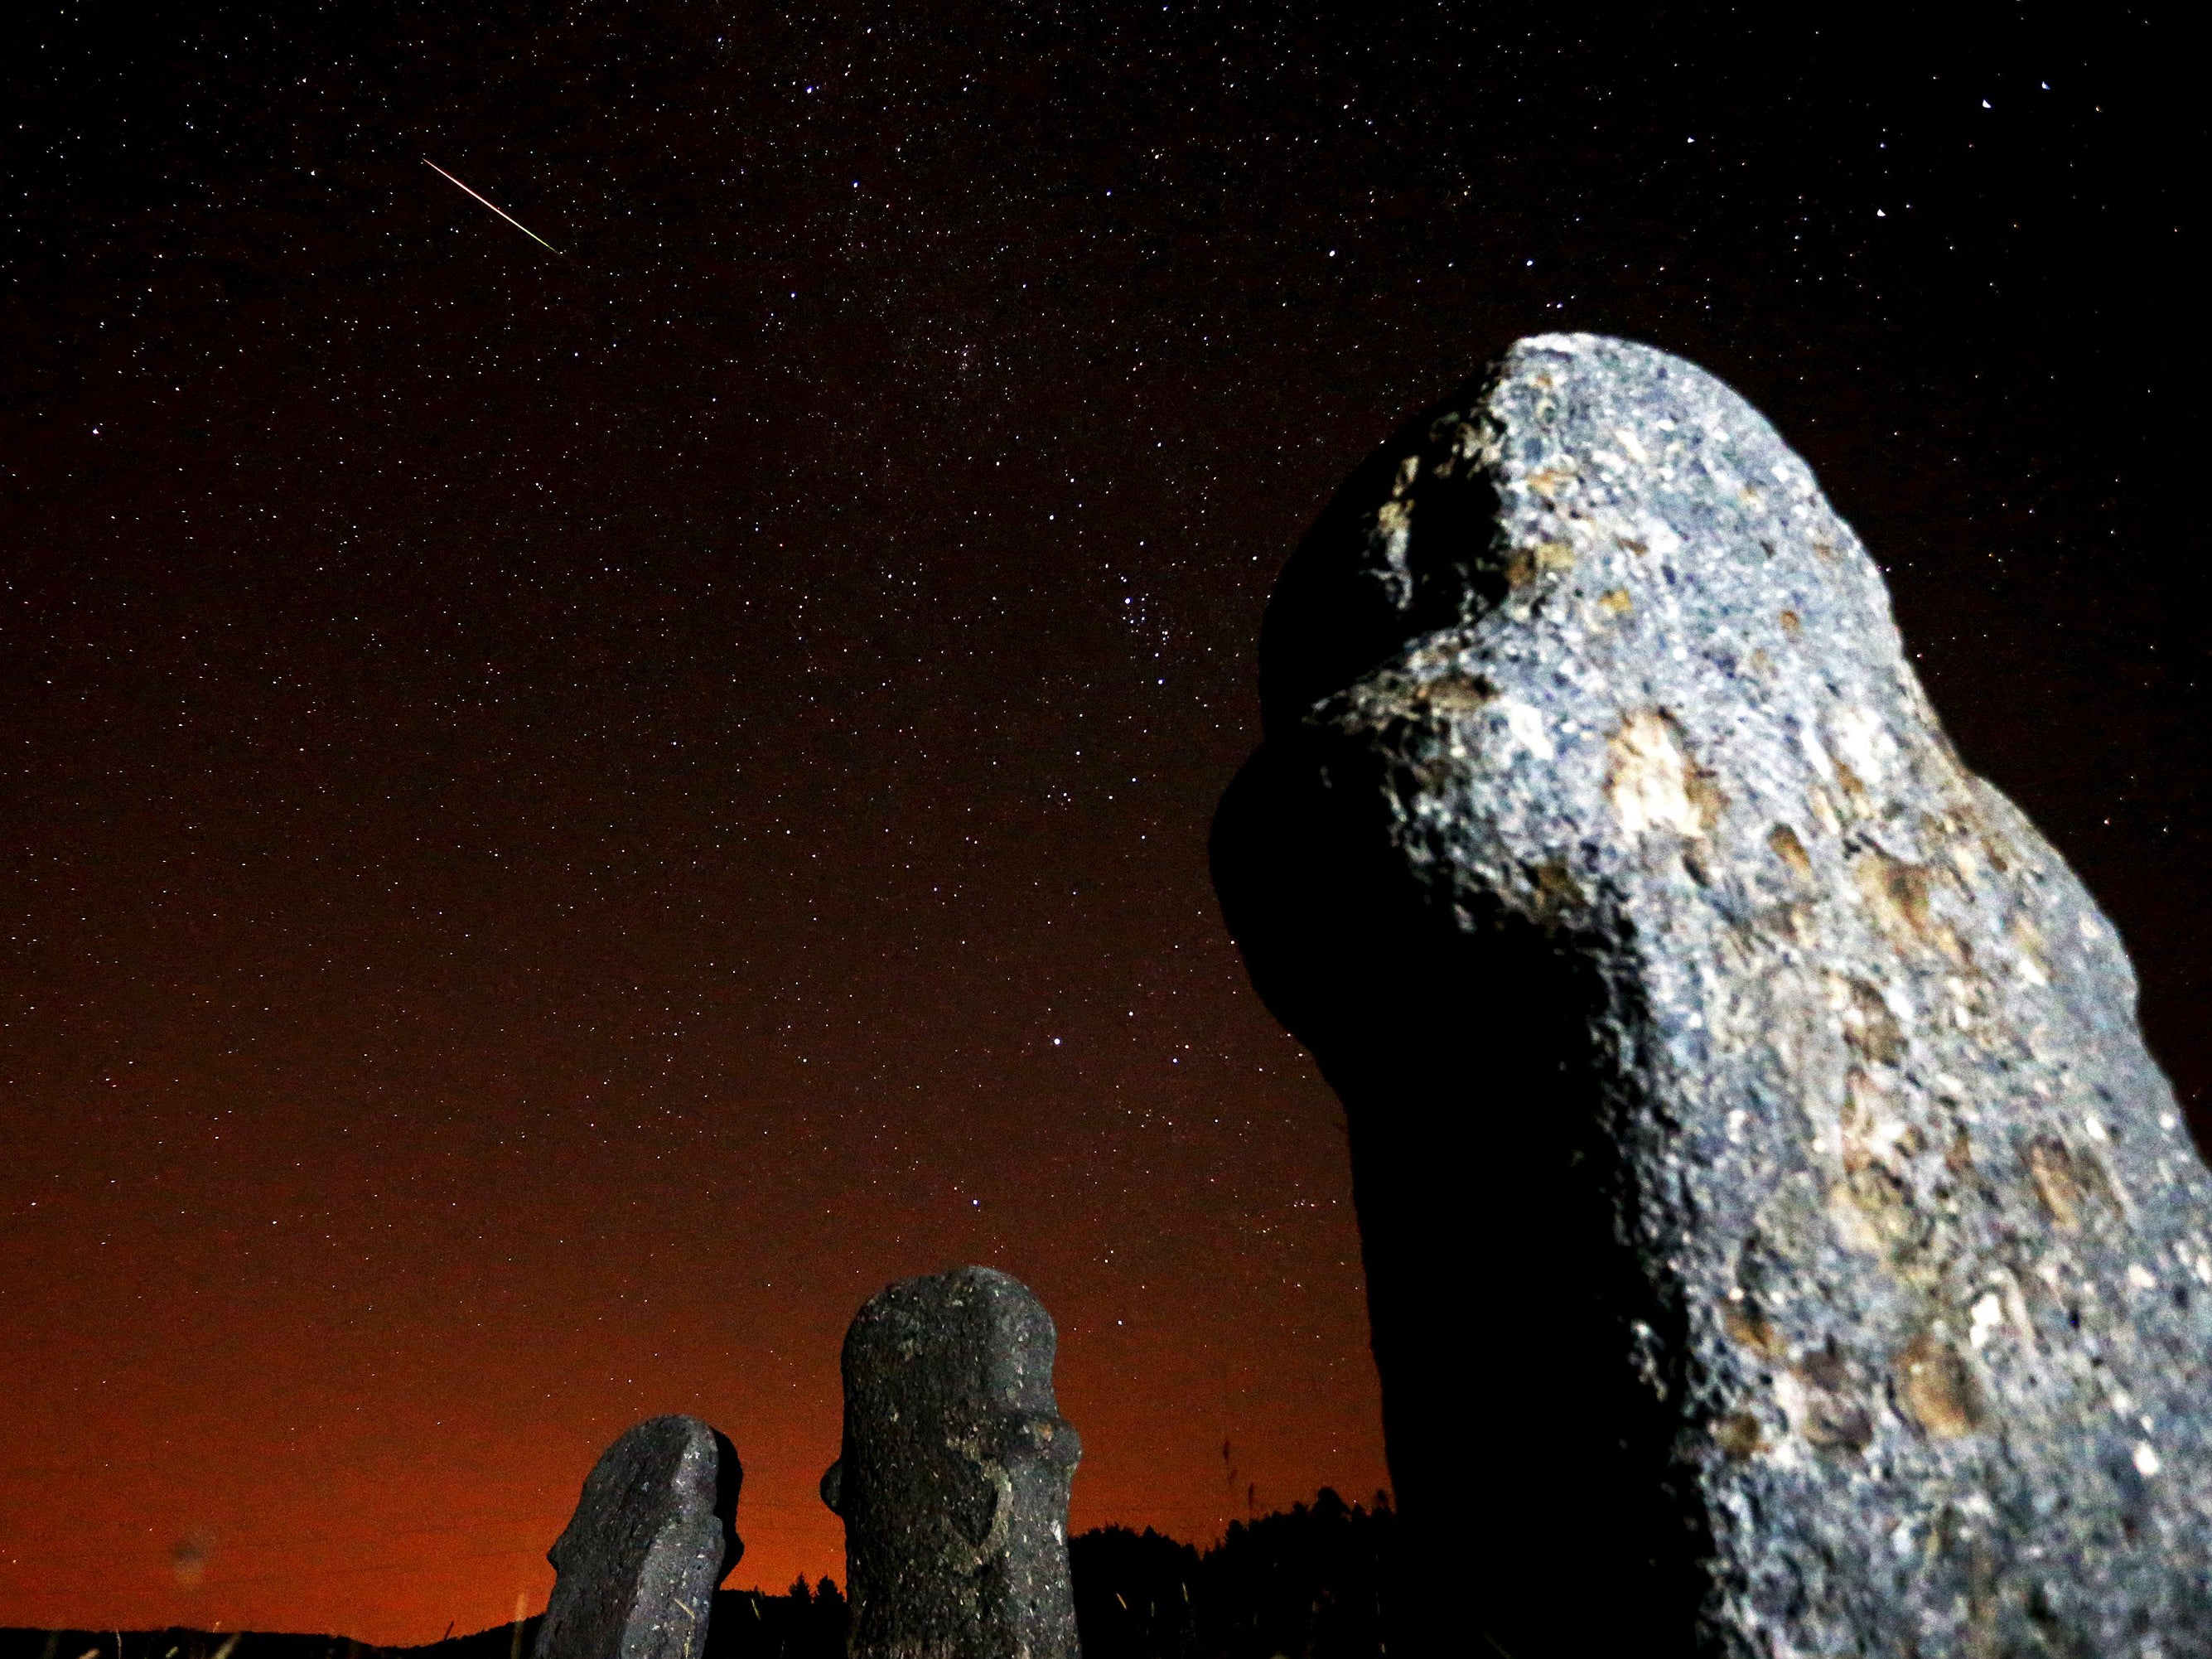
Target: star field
{"type": "Point", "coordinates": [569, 815]}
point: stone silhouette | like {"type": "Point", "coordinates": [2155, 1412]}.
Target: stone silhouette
{"type": "Point", "coordinates": [653, 1532]}
{"type": "Point", "coordinates": [1771, 1214]}
{"type": "Point", "coordinates": [953, 1483]}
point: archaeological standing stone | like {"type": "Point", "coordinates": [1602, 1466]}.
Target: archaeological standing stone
{"type": "Point", "coordinates": [1779, 1240]}
{"type": "Point", "coordinates": [652, 1536]}
{"type": "Point", "coordinates": [954, 1479]}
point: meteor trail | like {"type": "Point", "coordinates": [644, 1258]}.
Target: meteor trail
{"type": "Point", "coordinates": [502, 211]}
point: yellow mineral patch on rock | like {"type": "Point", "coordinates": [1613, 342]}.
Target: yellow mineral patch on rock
{"type": "Point", "coordinates": [1652, 782]}
{"type": "Point", "coordinates": [1524, 565]}
{"type": "Point", "coordinates": [1959, 1157]}
{"type": "Point", "coordinates": [2051, 1168]}
{"type": "Point", "coordinates": [1738, 1436]}
{"type": "Point", "coordinates": [1454, 693]}
{"type": "Point", "coordinates": [1896, 894]}
{"type": "Point", "coordinates": [1856, 795]}
{"type": "Point", "coordinates": [1748, 1326]}
{"type": "Point", "coordinates": [1616, 601]}
{"type": "Point", "coordinates": [1935, 1388]}
{"type": "Point", "coordinates": [1783, 839]}
{"type": "Point", "coordinates": [1705, 793]}
{"type": "Point", "coordinates": [1868, 1026]}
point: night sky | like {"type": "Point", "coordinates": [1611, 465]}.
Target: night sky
{"type": "Point", "coordinates": [567, 817]}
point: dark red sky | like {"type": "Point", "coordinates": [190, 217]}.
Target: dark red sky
{"type": "Point", "coordinates": [566, 819]}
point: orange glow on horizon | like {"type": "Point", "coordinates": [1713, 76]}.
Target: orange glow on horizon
{"type": "Point", "coordinates": [293, 1404]}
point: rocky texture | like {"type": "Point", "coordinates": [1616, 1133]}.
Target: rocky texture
{"type": "Point", "coordinates": [953, 1485]}
{"type": "Point", "coordinates": [1772, 1217]}
{"type": "Point", "coordinates": [652, 1536]}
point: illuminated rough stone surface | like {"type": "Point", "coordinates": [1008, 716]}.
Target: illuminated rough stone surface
{"type": "Point", "coordinates": [954, 1481]}
{"type": "Point", "coordinates": [1773, 1219]}
{"type": "Point", "coordinates": [652, 1534]}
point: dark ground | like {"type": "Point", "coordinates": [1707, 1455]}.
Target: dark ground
{"type": "Point", "coordinates": [1306, 1583]}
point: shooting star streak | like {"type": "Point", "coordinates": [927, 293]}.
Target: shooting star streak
{"type": "Point", "coordinates": [495, 207]}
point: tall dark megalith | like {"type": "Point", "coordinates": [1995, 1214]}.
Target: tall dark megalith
{"type": "Point", "coordinates": [653, 1532]}
{"type": "Point", "coordinates": [953, 1482]}
{"type": "Point", "coordinates": [1778, 1239]}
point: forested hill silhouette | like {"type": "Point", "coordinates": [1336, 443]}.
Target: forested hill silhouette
{"type": "Point", "coordinates": [1307, 1583]}
{"type": "Point", "coordinates": [1304, 1584]}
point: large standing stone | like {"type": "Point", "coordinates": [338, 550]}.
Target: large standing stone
{"type": "Point", "coordinates": [652, 1536]}
{"type": "Point", "coordinates": [1778, 1240]}
{"type": "Point", "coordinates": [953, 1484]}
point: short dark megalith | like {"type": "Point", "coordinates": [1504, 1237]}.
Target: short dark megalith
{"type": "Point", "coordinates": [954, 1479]}
{"type": "Point", "coordinates": [652, 1534]}
{"type": "Point", "coordinates": [1779, 1242]}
